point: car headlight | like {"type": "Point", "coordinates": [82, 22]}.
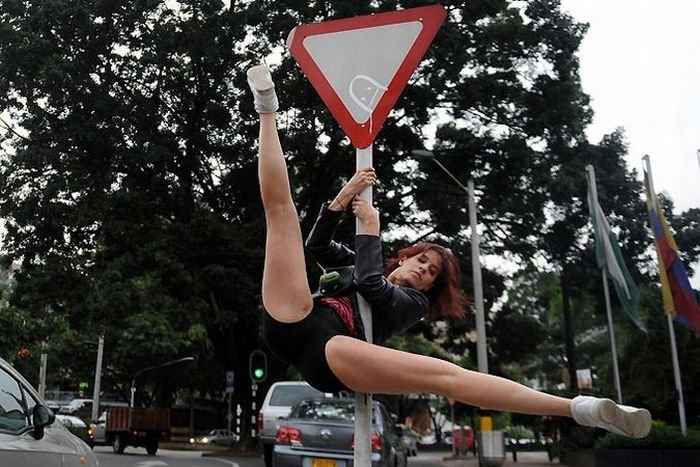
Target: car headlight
{"type": "Point", "coordinates": [205, 440]}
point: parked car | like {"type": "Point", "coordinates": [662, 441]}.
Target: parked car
{"type": "Point", "coordinates": [216, 437]}
{"type": "Point", "coordinates": [30, 436]}
{"type": "Point", "coordinates": [277, 404]}
{"type": "Point", "coordinates": [409, 441]}
{"type": "Point", "coordinates": [320, 432]}
{"type": "Point", "coordinates": [78, 427]}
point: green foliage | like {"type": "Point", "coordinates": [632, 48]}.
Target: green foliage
{"type": "Point", "coordinates": [661, 436]}
{"type": "Point", "coordinates": [519, 432]}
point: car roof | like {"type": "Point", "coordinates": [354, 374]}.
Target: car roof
{"type": "Point", "coordinates": [335, 400]}
{"type": "Point", "coordinates": [71, 418]}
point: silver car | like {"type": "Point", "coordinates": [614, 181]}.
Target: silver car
{"type": "Point", "coordinates": [30, 436]}
{"type": "Point", "coordinates": [216, 437]}
{"type": "Point", "coordinates": [320, 433]}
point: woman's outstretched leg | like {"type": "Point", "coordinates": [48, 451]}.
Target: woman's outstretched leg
{"type": "Point", "coordinates": [285, 290]}
{"type": "Point", "coordinates": [365, 367]}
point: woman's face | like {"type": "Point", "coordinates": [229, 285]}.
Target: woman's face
{"type": "Point", "coordinates": [419, 271]}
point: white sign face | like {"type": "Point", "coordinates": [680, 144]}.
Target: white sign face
{"type": "Point", "coordinates": [359, 66]}
{"type": "Point", "coordinates": [370, 60]}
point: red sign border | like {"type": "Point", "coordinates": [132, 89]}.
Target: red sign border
{"type": "Point", "coordinates": [431, 16]}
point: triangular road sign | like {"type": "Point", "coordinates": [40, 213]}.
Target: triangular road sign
{"type": "Point", "coordinates": [359, 66]}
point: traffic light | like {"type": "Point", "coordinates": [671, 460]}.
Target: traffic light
{"type": "Point", "coordinates": [258, 366]}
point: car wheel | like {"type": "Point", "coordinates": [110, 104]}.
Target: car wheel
{"type": "Point", "coordinates": [152, 447]}
{"type": "Point", "coordinates": [267, 454]}
{"type": "Point", "coordinates": [119, 444]}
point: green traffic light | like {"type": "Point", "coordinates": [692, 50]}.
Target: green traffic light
{"type": "Point", "coordinates": [259, 372]}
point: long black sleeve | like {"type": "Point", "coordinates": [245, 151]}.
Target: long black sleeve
{"type": "Point", "coordinates": [320, 243]}
{"type": "Point", "coordinates": [394, 308]}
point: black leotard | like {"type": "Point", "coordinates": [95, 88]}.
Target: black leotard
{"type": "Point", "coordinates": [394, 308]}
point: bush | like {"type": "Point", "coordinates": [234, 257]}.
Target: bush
{"type": "Point", "coordinates": [661, 436]}
{"type": "Point", "coordinates": [519, 432]}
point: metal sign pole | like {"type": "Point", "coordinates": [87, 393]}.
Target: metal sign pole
{"type": "Point", "coordinates": [363, 402]}
{"type": "Point", "coordinates": [98, 378]}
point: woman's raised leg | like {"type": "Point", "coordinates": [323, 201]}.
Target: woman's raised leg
{"type": "Point", "coordinates": [285, 290]}
{"type": "Point", "coordinates": [369, 368]}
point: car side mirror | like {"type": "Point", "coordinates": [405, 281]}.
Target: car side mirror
{"type": "Point", "coordinates": [42, 416]}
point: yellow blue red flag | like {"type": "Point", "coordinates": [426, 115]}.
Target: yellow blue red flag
{"type": "Point", "coordinates": [678, 296]}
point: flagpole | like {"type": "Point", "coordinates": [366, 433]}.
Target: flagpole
{"type": "Point", "coordinates": [613, 346]}
{"type": "Point", "coordinates": [616, 370]}
{"type": "Point", "coordinates": [671, 331]}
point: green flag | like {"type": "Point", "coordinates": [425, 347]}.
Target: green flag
{"type": "Point", "coordinates": [609, 256]}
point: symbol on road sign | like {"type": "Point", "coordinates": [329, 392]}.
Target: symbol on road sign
{"type": "Point", "coordinates": [359, 66]}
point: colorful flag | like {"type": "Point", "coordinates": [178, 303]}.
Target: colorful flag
{"type": "Point", "coordinates": [609, 256]}
{"type": "Point", "coordinates": [678, 296]}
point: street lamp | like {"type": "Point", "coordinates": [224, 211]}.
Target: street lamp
{"type": "Point", "coordinates": [481, 356]}
{"type": "Point", "coordinates": [143, 370]}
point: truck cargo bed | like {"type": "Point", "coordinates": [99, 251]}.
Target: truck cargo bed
{"type": "Point", "coordinates": [136, 418]}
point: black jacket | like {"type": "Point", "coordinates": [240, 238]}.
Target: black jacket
{"type": "Point", "coordinates": [394, 308]}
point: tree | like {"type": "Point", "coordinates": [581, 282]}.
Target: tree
{"type": "Point", "coordinates": [127, 193]}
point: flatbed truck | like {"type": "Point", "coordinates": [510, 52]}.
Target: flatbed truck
{"type": "Point", "coordinates": [133, 426]}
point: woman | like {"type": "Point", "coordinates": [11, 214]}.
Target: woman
{"type": "Point", "coordinates": [321, 336]}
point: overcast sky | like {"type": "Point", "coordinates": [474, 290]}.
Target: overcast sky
{"type": "Point", "coordinates": [639, 64]}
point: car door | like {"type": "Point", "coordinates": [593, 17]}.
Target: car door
{"type": "Point", "coordinates": [18, 448]}
{"type": "Point", "coordinates": [99, 428]}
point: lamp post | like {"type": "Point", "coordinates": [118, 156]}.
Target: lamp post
{"type": "Point", "coordinates": [143, 370]}
{"type": "Point", "coordinates": [481, 355]}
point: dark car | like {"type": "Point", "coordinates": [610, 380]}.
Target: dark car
{"type": "Point", "coordinates": [320, 433]}
{"type": "Point", "coordinates": [78, 427]}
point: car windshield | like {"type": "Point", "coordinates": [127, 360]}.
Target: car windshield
{"type": "Point", "coordinates": [290, 395]}
{"type": "Point", "coordinates": [324, 410]}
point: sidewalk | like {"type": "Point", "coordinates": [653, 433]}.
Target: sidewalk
{"type": "Point", "coordinates": [529, 459]}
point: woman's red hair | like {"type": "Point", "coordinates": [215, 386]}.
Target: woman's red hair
{"type": "Point", "coordinates": [445, 297]}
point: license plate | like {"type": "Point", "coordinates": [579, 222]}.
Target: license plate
{"type": "Point", "coordinates": [323, 463]}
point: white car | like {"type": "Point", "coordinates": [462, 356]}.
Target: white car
{"type": "Point", "coordinates": [30, 436]}
{"type": "Point", "coordinates": [278, 402]}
